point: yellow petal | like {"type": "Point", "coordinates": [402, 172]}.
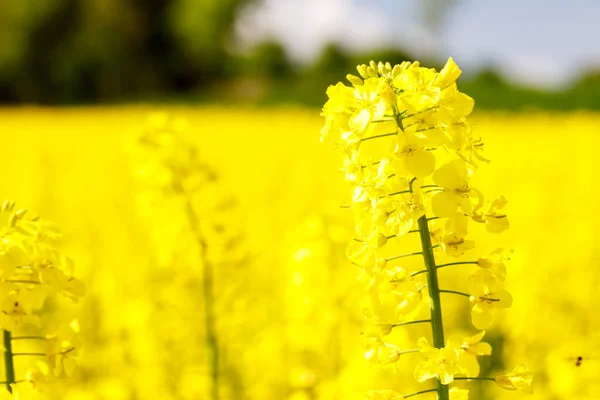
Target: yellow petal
{"type": "Point", "coordinates": [420, 163]}
{"type": "Point", "coordinates": [424, 371]}
{"type": "Point", "coordinates": [443, 204]}
{"type": "Point", "coordinates": [505, 298]}
{"type": "Point", "coordinates": [481, 316]}
{"type": "Point", "coordinates": [448, 75]}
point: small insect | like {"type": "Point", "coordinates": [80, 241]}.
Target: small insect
{"type": "Point", "coordinates": [579, 360]}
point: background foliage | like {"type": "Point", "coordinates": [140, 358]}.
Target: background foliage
{"type": "Point", "coordinates": [89, 51]}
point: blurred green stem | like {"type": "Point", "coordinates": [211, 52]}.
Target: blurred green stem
{"type": "Point", "coordinates": [212, 347]}
{"type": "Point", "coordinates": [8, 360]}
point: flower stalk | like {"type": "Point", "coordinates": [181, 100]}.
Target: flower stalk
{"type": "Point", "coordinates": [9, 364]}
{"type": "Point", "coordinates": [212, 347]}
{"type": "Point", "coordinates": [437, 325]}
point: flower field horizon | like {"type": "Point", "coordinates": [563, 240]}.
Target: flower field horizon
{"type": "Point", "coordinates": [287, 304]}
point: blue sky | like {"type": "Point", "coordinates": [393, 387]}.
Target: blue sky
{"type": "Point", "coordinates": [537, 42]}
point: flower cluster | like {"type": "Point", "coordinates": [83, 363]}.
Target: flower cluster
{"type": "Point", "coordinates": [37, 290]}
{"type": "Point", "coordinates": [410, 154]}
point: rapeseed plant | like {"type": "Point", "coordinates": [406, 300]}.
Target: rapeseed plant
{"type": "Point", "coordinates": [196, 233]}
{"type": "Point", "coordinates": [410, 154]}
{"type": "Point", "coordinates": [37, 292]}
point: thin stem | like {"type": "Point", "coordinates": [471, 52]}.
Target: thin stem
{"type": "Point", "coordinates": [475, 378]}
{"type": "Point", "coordinates": [29, 338]}
{"type": "Point", "coordinates": [24, 281]}
{"type": "Point", "coordinates": [30, 354]}
{"type": "Point", "coordinates": [455, 292]}
{"type": "Point", "coordinates": [418, 393]}
{"type": "Point", "coordinates": [468, 295]}
{"type": "Point", "coordinates": [409, 351]}
{"type": "Point", "coordinates": [395, 193]}
{"type": "Point", "coordinates": [426, 129]}
{"type": "Point", "coordinates": [431, 186]}
{"type": "Point", "coordinates": [457, 263]}
{"type": "Point", "coordinates": [437, 326]}
{"type": "Point", "coordinates": [398, 118]}
{"type": "Point", "coordinates": [420, 112]}
{"type": "Point", "coordinates": [9, 364]}
{"type": "Point", "coordinates": [420, 321]}
{"type": "Point", "coordinates": [379, 136]}
{"type": "Point", "coordinates": [212, 348]}
{"type": "Point", "coordinates": [445, 265]}
{"type": "Point", "coordinates": [403, 255]}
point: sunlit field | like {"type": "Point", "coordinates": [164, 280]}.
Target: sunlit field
{"type": "Point", "coordinates": [284, 308]}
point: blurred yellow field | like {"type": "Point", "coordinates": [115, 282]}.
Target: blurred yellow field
{"type": "Point", "coordinates": [287, 306]}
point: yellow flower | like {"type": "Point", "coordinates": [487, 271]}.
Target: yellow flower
{"type": "Point", "coordinates": [456, 245]}
{"type": "Point", "coordinates": [487, 293]}
{"type": "Point", "coordinates": [400, 291]}
{"type": "Point", "coordinates": [448, 75]}
{"type": "Point", "coordinates": [364, 252]}
{"type": "Point", "coordinates": [470, 348]}
{"type": "Point", "coordinates": [405, 213]}
{"type": "Point", "coordinates": [520, 378]}
{"type": "Point", "coordinates": [63, 349]}
{"type": "Point", "coordinates": [495, 262]}
{"type": "Point", "coordinates": [378, 352]}
{"type": "Point", "coordinates": [39, 378]}
{"type": "Point", "coordinates": [441, 363]}
{"type": "Point", "coordinates": [454, 178]}
{"type": "Point", "coordinates": [341, 98]}
{"type": "Point", "coordinates": [490, 213]}
{"type": "Point", "coordinates": [377, 330]}
{"type": "Point", "coordinates": [369, 105]}
{"type": "Point", "coordinates": [453, 240]}
{"type": "Point", "coordinates": [412, 157]}
{"type": "Point", "coordinates": [453, 105]}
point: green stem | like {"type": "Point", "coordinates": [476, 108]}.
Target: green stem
{"type": "Point", "coordinates": [418, 393]}
{"type": "Point", "coordinates": [475, 378]}
{"type": "Point", "coordinates": [9, 364]}
{"type": "Point", "coordinates": [457, 263]}
{"type": "Point", "coordinates": [409, 351]}
{"type": "Point", "coordinates": [445, 265]}
{"type": "Point", "coordinates": [212, 347]}
{"type": "Point", "coordinates": [29, 337]}
{"type": "Point", "coordinates": [437, 326]}
{"type": "Point", "coordinates": [403, 255]}
{"type": "Point", "coordinates": [455, 292]}
{"type": "Point", "coordinates": [379, 136]}
{"type": "Point", "coordinates": [488, 299]}
{"type": "Point", "coordinates": [396, 193]}
{"type": "Point", "coordinates": [421, 321]}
